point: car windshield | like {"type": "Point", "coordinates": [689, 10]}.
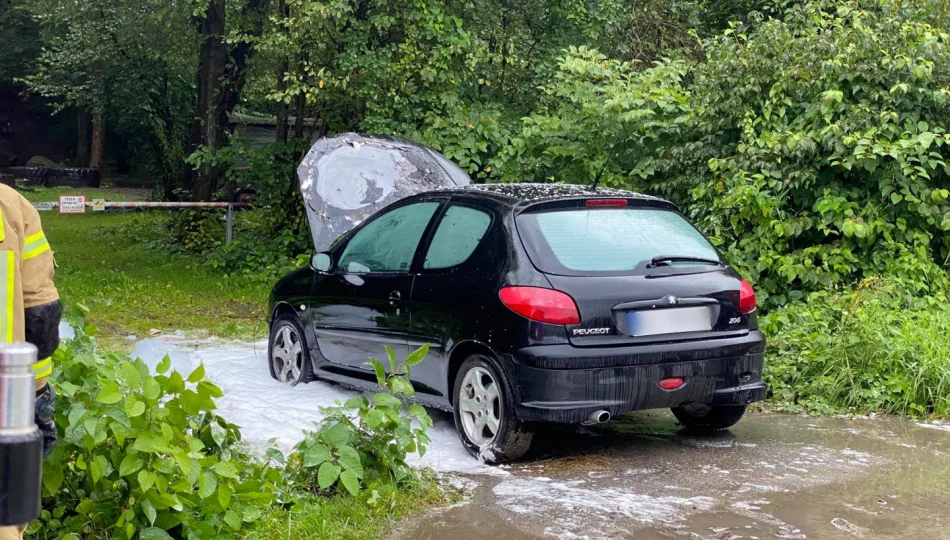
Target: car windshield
{"type": "Point", "coordinates": [610, 240]}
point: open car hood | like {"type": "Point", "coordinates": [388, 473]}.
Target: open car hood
{"type": "Point", "coordinates": [347, 178]}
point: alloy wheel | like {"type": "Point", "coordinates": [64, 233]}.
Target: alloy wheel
{"type": "Point", "coordinates": [287, 355]}
{"type": "Point", "coordinates": [480, 406]}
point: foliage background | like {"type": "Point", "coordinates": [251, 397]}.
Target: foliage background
{"type": "Point", "coordinates": [807, 139]}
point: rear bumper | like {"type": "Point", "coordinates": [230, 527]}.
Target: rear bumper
{"type": "Point", "coordinates": [571, 395]}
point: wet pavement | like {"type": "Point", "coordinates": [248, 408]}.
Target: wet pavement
{"type": "Point", "coordinates": [772, 476]}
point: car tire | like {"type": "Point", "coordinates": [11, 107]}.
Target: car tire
{"type": "Point", "coordinates": [709, 418]}
{"type": "Point", "coordinates": [295, 365]}
{"type": "Point", "coordinates": [511, 438]}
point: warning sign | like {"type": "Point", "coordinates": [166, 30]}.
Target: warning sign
{"type": "Point", "coordinates": [98, 205]}
{"type": "Point", "coordinates": [72, 204]}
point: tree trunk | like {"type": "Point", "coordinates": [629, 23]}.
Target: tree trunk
{"type": "Point", "coordinates": [212, 58]}
{"type": "Point", "coordinates": [282, 68]}
{"type": "Point", "coordinates": [221, 77]}
{"type": "Point", "coordinates": [301, 108]}
{"type": "Point", "coordinates": [97, 150]}
{"type": "Point", "coordinates": [82, 138]}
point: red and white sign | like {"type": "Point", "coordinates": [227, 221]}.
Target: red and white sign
{"type": "Point", "coordinates": [72, 204]}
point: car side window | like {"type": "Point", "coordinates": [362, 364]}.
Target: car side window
{"type": "Point", "coordinates": [389, 242]}
{"type": "Point", "coordinates": [459, 233]}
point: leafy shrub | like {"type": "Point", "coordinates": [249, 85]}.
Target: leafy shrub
{"type": "Point", "coordinates": [878, 348]}
{"type": "Point", "coordinates": [363, 443]}
{"type": "Point", "coordinates": [142, 454]}
{"type": "Point", "coordinates": [812, 148]}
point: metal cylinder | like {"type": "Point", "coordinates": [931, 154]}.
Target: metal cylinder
{"type": "Point", "coordinates": [21, 443]}
{"type": "Point", "coordinates": [17, 389]}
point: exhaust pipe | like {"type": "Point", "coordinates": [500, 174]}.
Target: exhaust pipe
{"type": "Point", "coordinates": [597, 417]}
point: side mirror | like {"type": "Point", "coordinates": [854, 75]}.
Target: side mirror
{"type": "Point", "coordinates": [321, 262]}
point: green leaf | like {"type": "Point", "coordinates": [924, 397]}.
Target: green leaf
{"type": "Point", "coordinates": [328, 474]}
{"type": "Point", "coordinates": [207, 483]}
{"type": "Point", "coordinates": [373, 418]}
{"type": "Point", "coordinates": [233, 519]}
{"type": "Point", "coordinates": [382, 399]}
{"type": "Point", "coordinates": [392, 359]}
{"type": "Point", "coordinates": [149, 511]}
{"type": "Point", "coordinates": [197, 374]}
{"type": "Point", "coordinates": [154, 533]}
{"type": "Point", "coordinates": [52, 477]}
{"type": "Point", "coordinates": [131, 374]}
{"type": "Point", "coordinates": [175, 383]}
{"type": "Point", "coordinates": [350, 482]}
{"type": "Point", "coordinates": [151, 389]}
{"type": "Point", "coordinates": [316, 455]}
{"type": "Point", "coordinates": [130, 464]}
{"type": "Point", "coordinates": [337, 435]}
{"type": "Point", "coordinates": [134, 407]}
{"type": "Point", "coordinates": [212, 389]}
{"type": "Point", "coordinates": [226, 469]}
{"type": "Point", "coordinates": [350, 460]}
{"type": "Point", "coordinates": [401, 385]}
{"type": "Point", "coordinates": [163, 366]}
{"type": "Point", "coordinates": [109, 394]}
{"type": "Point", "coordinates": [417, 356]}
{"type": "Point", "coordinates": [152, 443]}
{"type": "Point", "coordinates": [224, 495]}
{"type": "Point", "coordinates": [380, 371]}
{"type": "Point", "coordinates": [146, 480]}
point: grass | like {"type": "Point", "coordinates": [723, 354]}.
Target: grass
{"type": "Point", "coordinates": [351, 518]}
{"type": "Point", "coordinates": [875, 349]}
{"type": "Point", "coordinates": [117, 264]}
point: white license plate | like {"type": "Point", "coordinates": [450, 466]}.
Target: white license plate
{"type": "Point", "coordinates": [667, 321]}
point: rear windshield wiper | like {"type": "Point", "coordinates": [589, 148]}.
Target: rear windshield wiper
{"type": "Point", "coordinates": [665, 259]}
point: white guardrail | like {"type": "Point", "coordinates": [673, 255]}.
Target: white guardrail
{"type": "Point", "coordinates": [77, 204]}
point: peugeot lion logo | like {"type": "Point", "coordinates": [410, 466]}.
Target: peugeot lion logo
{"type": "Point", "coordinates": [672, 300]}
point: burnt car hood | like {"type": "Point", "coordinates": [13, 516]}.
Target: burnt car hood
{"type": "Point", "coordinates": [347, 178]}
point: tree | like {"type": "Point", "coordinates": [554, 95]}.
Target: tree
{"type": "Point", "coordinates": [222, 72]}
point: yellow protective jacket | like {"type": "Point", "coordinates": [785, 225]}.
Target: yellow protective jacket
{"type": "Point", "coordinates": [30, 309]}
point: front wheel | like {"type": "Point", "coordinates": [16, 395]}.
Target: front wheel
{"type": "Point", "coordinates": [485, 413]}
{"type": "Point", "coordinates": [708, 418]}
{"type": "Point", "coordinates": [288, 355]}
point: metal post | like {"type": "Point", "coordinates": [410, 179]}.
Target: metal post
{"type": "Point", "coordinates": [21, 443]}
{"type": "Point", "coordinates": [230, 232]}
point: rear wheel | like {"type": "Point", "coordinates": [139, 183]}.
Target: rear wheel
{"type": "Point", "coordinates": [484, 413]}
{"type": "Point", "coordinates": [708, 418]}
{"type": "Point", "coordinates": [288, 355]}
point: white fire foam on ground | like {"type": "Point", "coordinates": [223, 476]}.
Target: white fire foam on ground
{"type": "Point", "coordinates": [266, 409]}
{"type": "Point", "coordinates": [573, 506]}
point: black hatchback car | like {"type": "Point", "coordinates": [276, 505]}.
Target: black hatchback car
{"type": "Point", "coordinates": [540, 303]}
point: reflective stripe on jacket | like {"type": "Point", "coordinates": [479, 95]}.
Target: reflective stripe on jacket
{"type": "Point", "coordinates": [26, 281]}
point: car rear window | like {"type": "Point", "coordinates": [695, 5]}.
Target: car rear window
{"type": "Point", "coordinates": [585, 240]}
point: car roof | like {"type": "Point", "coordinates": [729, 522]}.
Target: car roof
{"type": "Point", "coordinates": [523, 194]}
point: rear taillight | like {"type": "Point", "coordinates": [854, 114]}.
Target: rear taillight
{"type": "Point", "coordinates": [542, 305]}
{"type": "Point", "coordinates": [607, 202]}
{"type": "Point", "coordinates": [746, 297]}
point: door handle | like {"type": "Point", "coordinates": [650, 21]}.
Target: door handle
{"type": "Point", "coordinates": [395, 297]}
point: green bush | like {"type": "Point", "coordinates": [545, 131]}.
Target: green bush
{"type": "Point", "coordinates": [363, 443]}
{"type": "Point", "coordinates": [879, 348]}
{"type": "Point", "coordinates": [143, 455]}
{"type": "Point", "coordinates": [812, 148]}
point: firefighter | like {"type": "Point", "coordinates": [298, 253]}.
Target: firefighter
{"type": "Point", "coordinates": [30, 309]}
